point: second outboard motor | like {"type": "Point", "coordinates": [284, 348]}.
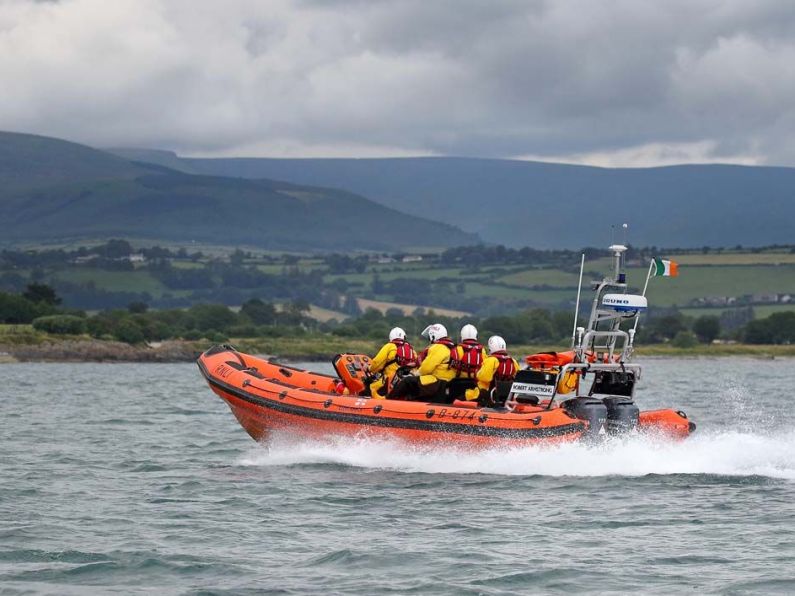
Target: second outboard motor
{"type": "Point", "coordinates": [617, 387]}
{"type": "Point", "coordinates": [622, 414]}
{"type": "Point", "coordinates": [591, 410]}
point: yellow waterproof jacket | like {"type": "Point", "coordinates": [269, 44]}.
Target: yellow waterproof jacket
{"type": "Point", "coordinates": [436, 365]}
{"type": "Point", "coordinates": [486, 373]}
{"type": "Point", "coordinates": [385, 355]}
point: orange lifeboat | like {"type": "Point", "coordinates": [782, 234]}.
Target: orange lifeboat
{"type": "Point", "coordinates": [266, 397]}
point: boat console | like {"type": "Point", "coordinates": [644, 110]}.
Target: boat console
{"type": "Point", "coordinates": [602, 354]}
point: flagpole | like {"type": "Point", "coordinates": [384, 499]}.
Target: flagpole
{"type": "Point", "coordinates": [648, 276]}
{"type": "Point", "coordinates": [645, 287]}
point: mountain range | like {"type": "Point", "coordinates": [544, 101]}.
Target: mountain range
{"type": "Point", "coordinates": [547, 205]}
{"type": "Point", "coordinates": [53, 190]}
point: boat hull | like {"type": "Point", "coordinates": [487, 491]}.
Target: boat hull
{"type": "Point", "coordinates": [268, 398]}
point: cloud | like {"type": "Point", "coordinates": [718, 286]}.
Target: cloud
{"type": "Point", "coordinates": [618, 82]}
{"type": "Point", "coordinates": [651, 155]}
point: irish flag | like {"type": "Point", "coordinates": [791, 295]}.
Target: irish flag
{"type": "Point", "coordinates": [665, 268]}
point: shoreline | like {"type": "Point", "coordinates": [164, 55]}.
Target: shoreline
{"type": "Point", "coordinates": [93, 350]}
{"type": "Point", "coordinates": [307, 349]}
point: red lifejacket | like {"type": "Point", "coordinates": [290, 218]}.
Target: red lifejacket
{"type": "Point", "coordinates": [471, 358]}
{"type": "Point", "coordinates": [405, 355]}
{"type": "Point", "coordinates": [506, 370]}
{"type": "Point", "coordinates": [422, 356]}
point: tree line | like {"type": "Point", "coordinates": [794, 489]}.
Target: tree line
{"type": "Point", "coordinates": [40, 306]}
{"type": "Point", "coordinates": [329, 280]}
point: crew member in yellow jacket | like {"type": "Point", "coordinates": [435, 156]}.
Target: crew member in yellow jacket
{"type": "Point", "coordinates": [469, 354]}
{"type": "Point", "coordinates": [395, 355]}
{"type": "Point", "coordinates": [434, 372]}
{"type": "Point", "coordinates": [498, 366]}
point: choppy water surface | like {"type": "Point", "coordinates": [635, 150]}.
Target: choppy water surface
{"type": "Point", "coordinates": [136, 478]}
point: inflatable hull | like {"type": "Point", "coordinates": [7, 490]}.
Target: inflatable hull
{"type": "Point", "coordinates": [268, 398]}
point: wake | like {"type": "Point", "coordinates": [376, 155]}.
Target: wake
{"type": "Point", "coordinates": [727, 453]}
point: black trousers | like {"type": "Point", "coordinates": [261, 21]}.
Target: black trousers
{"type": "Point", "coordinates": [410, 388]}
{"type": "Point", "coordinates": [485, 399]}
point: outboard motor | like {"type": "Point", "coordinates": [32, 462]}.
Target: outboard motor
{"type": "Point", "coordinates": [622, 413]}
{"type": "Point", "coordinates": [593, 411]}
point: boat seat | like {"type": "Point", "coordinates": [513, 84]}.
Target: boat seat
{"type": "Point", "coordinates": [527, 400]}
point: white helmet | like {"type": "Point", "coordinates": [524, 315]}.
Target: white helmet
{"type": "Point", "coordinates": [435, 331]}
{"type": "Point", "coordinates": [469, 332]}
{"type": "Point", "coordinates": [397, 333]}
{"type": "Point", "coordinates": [496, 344]}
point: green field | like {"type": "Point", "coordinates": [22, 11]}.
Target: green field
{"type": "Point", "coordinates": [13, 329]}
{"type": "Point", "coordinates": [486, 289]}
{"type": "Point", "coordinates": [117, 281]}
{"type": "Point", "coordinates": [765, 310]}
{"type": "Point", "coordinates": [541, 277]}
{"type": "Point", "coordinates": [760, 310]}
{"type": "Point", "coordinates": [386, 274]}
{"type": "Point", "coordinates": [697, 282]}
{"type": "Point", "coordinates": [550, 297]}
{"type": "Point", "coordinates": [303, 265]}
{"type": "Point", "coordinates": [186, 265]}
{"type": "Point", "coordinates": [736, 258]}
{"type": "Point", "coordinates": [274, 269]}
{"type": "Point", "coordinates": [693, 282]}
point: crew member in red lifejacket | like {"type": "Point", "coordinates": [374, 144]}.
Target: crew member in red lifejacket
{"type": "Point", "coordinates": [434, 372]}
{"type": "Point", "coordinates": [469, 354]}
{"type": "Point", "coordinates": [497, 367]}
{"type": "Point", "coordinates": [396, 356]}
{"type": "Point", "coordinates": [466, 359]}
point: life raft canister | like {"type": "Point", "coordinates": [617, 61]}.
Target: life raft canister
{"type": "Point", "coordinates": [471, 358]}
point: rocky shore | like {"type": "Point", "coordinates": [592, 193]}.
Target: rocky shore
{"type": "Point", "coordinates": [93, 350]}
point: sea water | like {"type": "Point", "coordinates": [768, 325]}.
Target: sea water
{"type": "Point", "coordinates": [135, 478]}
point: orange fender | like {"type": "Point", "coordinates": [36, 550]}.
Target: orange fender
{"type": "Point", "coordinates": [460, 403]}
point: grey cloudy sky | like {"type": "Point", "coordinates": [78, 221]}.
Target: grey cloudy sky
{"type": "Point", "coordinates": [613, 82]}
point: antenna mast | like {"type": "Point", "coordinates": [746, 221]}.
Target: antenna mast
{"type": "Point", "coordinates": [577, 304]}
